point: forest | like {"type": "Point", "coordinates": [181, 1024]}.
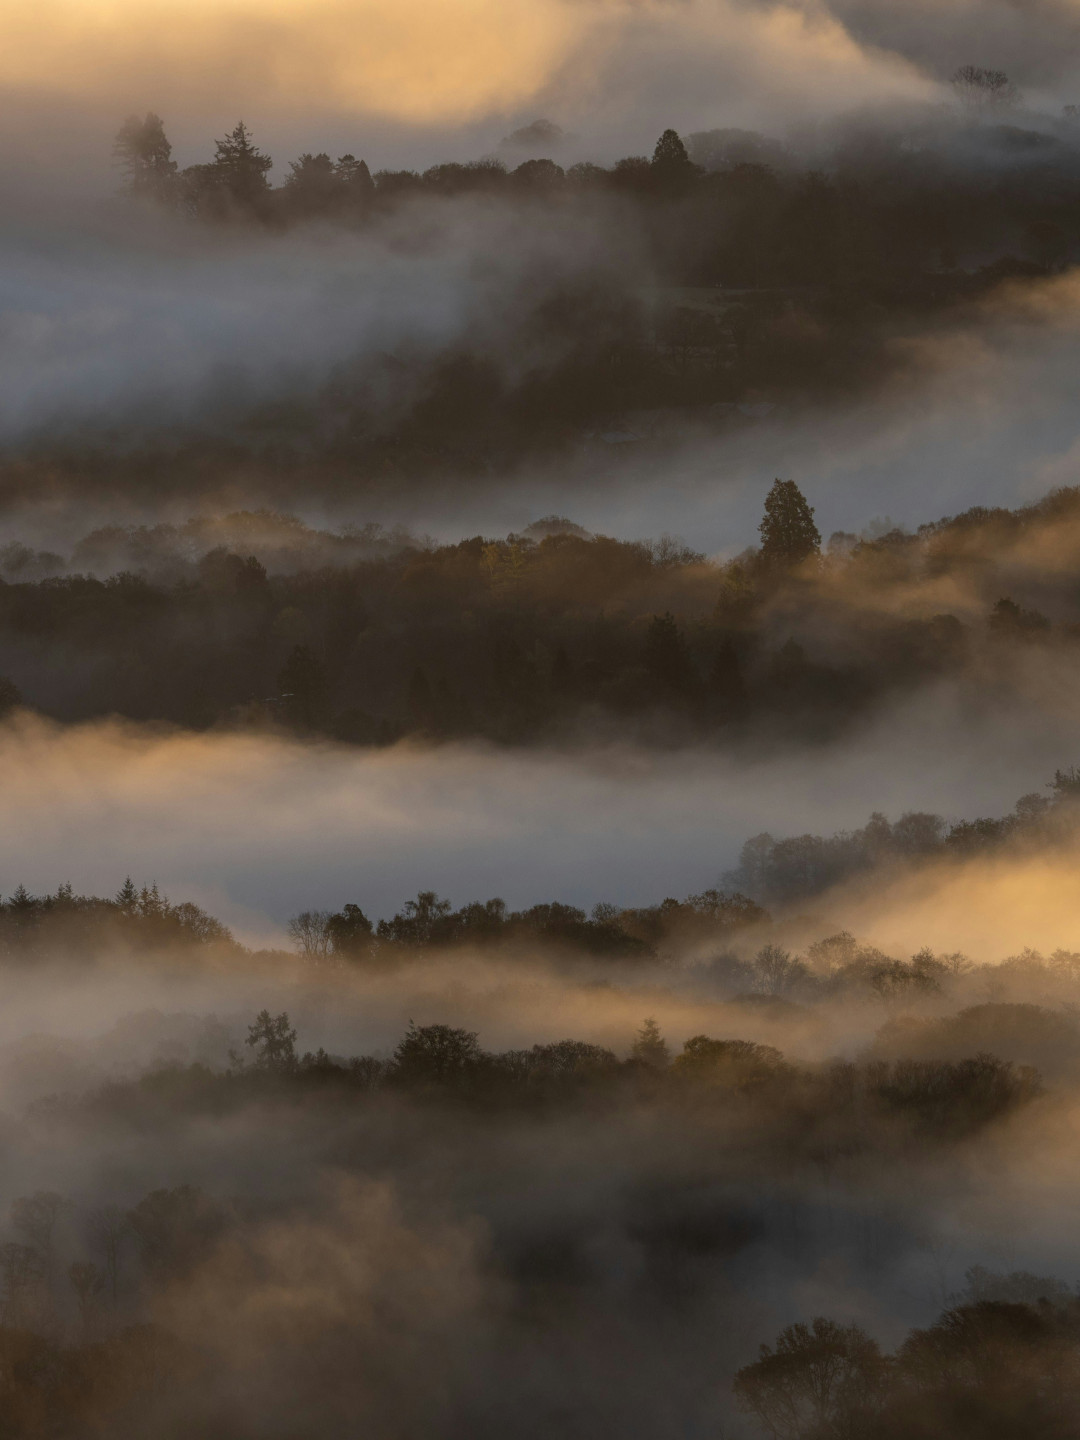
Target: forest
{"type": "Point", "coordinates": [551, 635]}
{"type": "Point", "coordinates": [717, 281]}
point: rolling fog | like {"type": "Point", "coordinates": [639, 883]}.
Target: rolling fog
{"type": "Point", "coordinates": [592, 1248]}
{"type": "Point", "coordinates": [256, 828]}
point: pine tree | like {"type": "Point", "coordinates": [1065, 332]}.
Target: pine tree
{"type": "Point", "coordinates": [788, 533]}
{"type": "Point", "coordinates": [145, 156]}
{"type": "Point", "coordinates": [650, 1047]}
{"type": "Point", "coordinates": [356, 176]}
{"type": "Point", "coordinates": [127, 897]}
{"type": "Point", "coordinates": [241, 167]}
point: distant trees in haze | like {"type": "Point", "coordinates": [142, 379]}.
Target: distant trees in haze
{"type": "Point", "coordinates": [144, 153]}
{"type": "Point", "coordinates": [981, 91]}
{"type": "Point", "coordinates": [537, 636]}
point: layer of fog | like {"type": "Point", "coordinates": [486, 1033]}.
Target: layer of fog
{"type": "Point", "coordinates": [257, 828]}
{"type": "Point", "coordinates": [983, 414]}
{"type": "Point", "coordinates": [136, 330]}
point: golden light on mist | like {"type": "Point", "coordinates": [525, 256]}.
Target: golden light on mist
{"type": "Point", "coordinates": [426, 61]}
{"type": "Point", "coordinates": [988, 908]}
{"type": "Point", "coordinates": [444, 59]}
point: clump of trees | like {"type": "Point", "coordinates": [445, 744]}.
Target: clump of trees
{"type": "Point", "coordinates": [431, 923]}
{"type": "Point", "coordinates": [134, 919]}
{"type": "Point", "coordinates": [987, 1368]}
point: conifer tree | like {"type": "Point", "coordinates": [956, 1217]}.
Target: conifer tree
{"type": "Point", "coordinates": [788, 532]}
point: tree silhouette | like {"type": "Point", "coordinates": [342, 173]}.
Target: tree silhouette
{"type": "Point", "coordinates": [310, 933]}
{"type": "Point", "coordinates": [984, 90]}
{"type": "Point", "coordinates": [435, 1054]}
{"type": "Point", "coordinates": [670, 152]}
{"type": "Point", "coordinates": [815, 1374]}
{"type": "Point", "coordinates": [650, 1047]}
{"type": "Point", "coordinates": [273, 1041]}
{"type": "Point", "coordinates": [349, 933]}
{"type": "Point", "coordinates": [240, 168]}
{"type": "Point", "coordinates": [788, 533]}
{"type": "Point", "coordinates": [145, 156]}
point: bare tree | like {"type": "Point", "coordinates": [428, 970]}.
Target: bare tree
{"type": "Point", "coordinates": [310, 933]}
{"type": "Point", "coordinates": [776, 971]}
{"type": "Point", "coordinates": [981, 91]}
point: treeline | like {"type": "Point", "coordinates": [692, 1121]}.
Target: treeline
{"type": "Point", "coordinates": [83, 1289]}
{"type": "Point", "coordinates": [135, 919]}
{"type": "Point", "coordinates": [890, 210]}
{"type": "Point", "coordinates": [731, 920]}
{"type": "Point", "coordinates": [800, 866]}
{"type": "Point", "coordinates": [909, 1101]}
{"type": "Point", "coordinates": [700, 295]}
{"type": "Point", "coordinates": [997, 1368]}
{"type": "Point", "coordinates": [549, 634]}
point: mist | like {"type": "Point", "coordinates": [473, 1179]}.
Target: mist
{"type": "Point", "coordinates": [539, 662]}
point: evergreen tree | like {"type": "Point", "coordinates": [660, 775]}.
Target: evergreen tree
{"type": "Point", "coordinates": [241, 167]}
{"type": "Point", "coordinates": [356, 177]}
{"type": "Point", "coordinates": [670, 152]}
{"type": "Point", "coordinates": [788, 532]}
{"type": "Point", "coordinates": [145, 156]}
{"type": "Point", "coordinates": [127, 897]}
{"type": "Point", "coordinates": [671, 167]}
{"type": "Point", "coordinates": [650, 1047]}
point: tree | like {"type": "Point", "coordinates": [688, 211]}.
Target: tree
{"type": "Point", "coordinates": [776, 971]}
{"type": "Point", "coordinates": [670, 152]}
{"type": "Point", "coordinates": [145, 156]}
{"type": "Point", "coordinates": [650, 1047]}
{"type": "Point", "coordinates": [435, 1055]}
{"type": "Point", "coordinates": [240, 168]}
{"type": "Point", "coordinates": [310, 933]}
{"type": "Point", "coordinates": [127, 897]}
{"type": "Point", "coordinates": [313, 185]}
{"type": "Point", "coordinates": [356, 177]}
{"type": "Point", "coordinates": [788, 533]}
{"type": "Point", "coordinates": [980, 91]}
{"type": "Point", "coordinates": [419, 920]}
{"type": "Point", "coordinates": [273, 1041]}
{"type": "Point", "coordinates": [349, 933]}
{"type": "Point", "coordinates": [810, 1385]}
{"type": "Point", "coordinates": [175, 1230]}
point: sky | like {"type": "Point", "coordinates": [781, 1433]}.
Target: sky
{"type": "Point", "coordinates": [409, 82]}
